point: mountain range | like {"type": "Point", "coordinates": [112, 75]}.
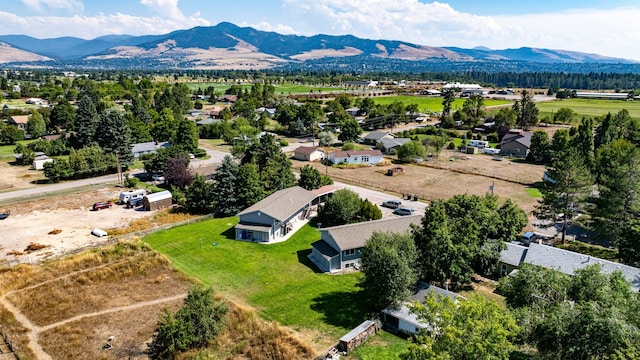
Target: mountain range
{"type": "Point", "coordinates": [227, 46]}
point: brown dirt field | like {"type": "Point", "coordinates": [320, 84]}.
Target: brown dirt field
{"type": "Point", "coordinates": [470, 174]}
{"type": "Point", "coordinates": [119, 291]}
{"type": "Point", "coordinates": [17, 177]}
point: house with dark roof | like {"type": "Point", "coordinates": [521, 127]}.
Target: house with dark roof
{"type": "Point", "coordinates": [391, 145]}
{"type": "Point", "coordinates": [516, 143]}
{"type": "Point", "coordinates": [404, 321]}
{"type": "Point", "coordinates": [371, 157]}
{"type": "Point", "coordinates": [374, 137]}
{"type": "Point", "coordinates": [150, 147]}
{"type": "Point", "coordinates": [308, 153]}
{"type": "Point", "coordinates": [564, 261]}
{"type": "Point", "coordinates": [276, 217]}
{"type": "Point", "coordinates": [340, 247]}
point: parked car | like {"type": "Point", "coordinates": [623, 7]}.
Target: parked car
{"type": "Point", "coordinates": [157, 177]}
{"type": "Point", "coordinates": [98, 232]}
{"type": "Point", "coordinates": [491, 151]}
{"type": "Point", "coordinates": [403, 210]}
{"type": "Point", "coordinates": [101, 205]}
{"type": "Point", "coordinates": [392, 204]}
{"type": "Point", "coordinates": [4, 215]}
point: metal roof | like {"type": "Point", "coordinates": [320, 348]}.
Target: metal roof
{"type": "Point", "coordinates": [376, 135]}
{"type": "Point", "coordinates": [513, 255]}
{"type": "Point", "coordinates": [282, 204]}
{"type": "Point", "coordinates": [325, 249]}
{"type": "Point", "coordinates": [148, 146]}
{"type": "Point", "coordinates": [162, 195]}
{"type": "Point", "coordinates": [391, 143]}
{"type": "Point", "coordinates": [353, 236]}
{"type": "Point", "coordinates": [358, 330]}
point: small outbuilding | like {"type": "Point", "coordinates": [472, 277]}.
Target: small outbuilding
{"type": "Point", "coordinates": [39, 161]}
{"type": "Point", "coordinates": [358, 335]}
{"type": "Point", "coordinates": [157, 200]}
{"type": "Point", "coordinates": [308, 153]}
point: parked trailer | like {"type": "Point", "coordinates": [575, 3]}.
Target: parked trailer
{"type": "Point", "coordinates": [126, 196]}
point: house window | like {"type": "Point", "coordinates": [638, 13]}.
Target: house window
{"type": "Point", "coordinates": [503, 270]}
{"type": "Point", "coordinates": [349, 252]}
{"type": "Point", "coordinates": [349, 265]}
{"type": "Point", "coordinates": [365, 159]}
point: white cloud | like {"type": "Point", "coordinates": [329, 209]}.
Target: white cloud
{"type": "Point", "coordinates": [94, 26]}
{"type": "Point", "coordinates": [611, 32]}
{"type": "Point", "coordinates": [165, 8]}
{"type": "Point", "coordinates": [40, 5]}
{"type": "Point", "coordinates": [265, 26]}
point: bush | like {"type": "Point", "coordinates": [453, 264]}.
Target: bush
{"type": "Point", "coordinates": [197, 152]}
{"type": "Point", "coordinates": [348, 146]}
{"type": "Point", "coordinates": [493, 137]}
{"type": "Point", "coordinates": [284, 142]}
{"type": "Point", "coordinates": [451, 146]}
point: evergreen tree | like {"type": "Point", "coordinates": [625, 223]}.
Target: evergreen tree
{"type": "Point", "coordinates": [114, 136]}
{"type": "Point", "coordinates": [36, 126]}
{"type": "Point", "coordinates": [310, 178]}
{"type": "Point", "coordinates": [583, 141]}
{"type": "Point", "coordinates": [199, 196]}
{"type": "Point", "coordinates": [224, 187]}
{"type": "Point", "coordinates": [539, 151]}
{"type": "Point", "coordinates": [447, 101]}
{"type": "Point", "coordinates": [526, 111]}
{"type": "Point", "coordinates": [86, 123]}
{"type": "Point", "coordinates": [249, 186]}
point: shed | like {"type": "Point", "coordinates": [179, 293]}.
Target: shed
{"type": "Point", "coordinates": [157, 200]}
{"type": "Point", "coordinates": [308, 153]}
{"type": "Point", "coordinates": [39, 161]}
{"type": "Point", "coordinates": [358, 335]}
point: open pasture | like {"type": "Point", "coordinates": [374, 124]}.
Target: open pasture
{"type": "Point", "coordinates": [589, 107]}
{"type": "Point", "coordinates": [433, 104]}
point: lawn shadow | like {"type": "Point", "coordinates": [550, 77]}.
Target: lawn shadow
{"type": "Point", "coordinates": [304, 260]}
{"type": "Point", "coordinates": [341, 308]}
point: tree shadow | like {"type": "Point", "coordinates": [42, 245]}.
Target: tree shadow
{"type": "Point", "coordinates": [304, 260]}
{"type": "Point", "coordinates": [341, 308]}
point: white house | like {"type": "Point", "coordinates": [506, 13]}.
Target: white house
{"type": "Point", "coordinates": [370, 157]}
{"type": "Point", "coordinates": [308, 153]}
{"type": "Point", "coordinates": [150, 147]}
{"type": "Point", "coordinates": [276, 217]}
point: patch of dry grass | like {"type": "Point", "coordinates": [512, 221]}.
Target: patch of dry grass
{"type": "Point", "coordinates": [17, 334]}
{"type": "Point", "coordinates": [162, 218]}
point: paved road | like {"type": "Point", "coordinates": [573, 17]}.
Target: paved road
{"type": "Point", "coordinates": [377, 197]}
{"type": "Point", "coordinates": [216, 157]}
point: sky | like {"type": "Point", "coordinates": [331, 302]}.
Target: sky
{"type": "Point", "coordinates": [607, 28]}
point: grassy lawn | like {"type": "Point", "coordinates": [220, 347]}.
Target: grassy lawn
{"type": "Point", "coordinates": [383, 346]}
{"type": "Point", "coordinates": [432, 103]}
{"type": "Point", "coordinates": [278, 279]}
{"type": "Point", "coordinates": [587, 107]}
{"type": "Point", "coordinates": [533, 192]}
{"type": "Point", "coordinates": [6, 151]}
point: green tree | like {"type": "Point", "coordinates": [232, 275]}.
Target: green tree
{"type": "Point", "coordinates": [325, 138]}
{"type": "Point", "coordinates": [164, 127]}
{"type": "Point", "coordinates": [349, 130]}
{"type": "Point", "coordinates": [62, 116]}
{"type": "Point", "coordinates": [584, 143]}
{"type": "Point", "coordinates": [526, 111]}
{"type": "Point", "coordinates": [170, 337]}
{"type": "Point", "coordinates": [342, 208]}
{"type": "Point", "coordinates": [224, 188]}
{"type": "Point", "coordinates": [473, 107]}
{"type": "Point", "coordinates": [539, 149]}
{"type": "Point", "coordinates": [36, 126]}
{"type": "Point", "coordinates": [369, 211]}
{"type": "Point", "coordinates": [249, 186]}
{"type": "Point", "coordinates": [114, 136]}
{"type": "Point", "coordinates": [86, 123]}
{"type": "Point", "coordinates": [388, 264]}
{"type": "Point", "coordinates": [570, 184]}
{"type": "Point", "coordinates": [564, 116]}
{"type": "Point", "coordinates": [310, 178]}
{"type": "Point", "coordinates": [506, 117]}
{"type": "Point", "coordinates": [448, 97]}
{"type": "Point", "coordinates": [411, 150]}
{"type": "Point", "coordinates": [28, 154]}
{"type": "Point", "coordinates": [469, 329]}
{"type": "Point", "coordinates": [186, 135]}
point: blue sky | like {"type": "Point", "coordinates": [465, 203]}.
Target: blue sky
{"type": "Point", "coordinates": [603, 27]}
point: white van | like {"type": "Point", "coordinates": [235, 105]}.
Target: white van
{"type": "Point", "coordinates": [126, 196]}
{"type": "Point", "coordinates": [479, 143]}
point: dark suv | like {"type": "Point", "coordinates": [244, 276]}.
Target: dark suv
{"type": "Point", "coordinates": [101, 205]}
{"type": "Point", "coordinates": [133, 203]}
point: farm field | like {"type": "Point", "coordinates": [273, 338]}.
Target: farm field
{"type": "Point", "coordinates": [433, 104]}
{"type": "Point", "coordinates": [588, 107]}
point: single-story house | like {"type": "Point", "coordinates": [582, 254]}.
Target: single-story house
{"type": "Point", "coordinates": [390, 145]}
{"type": "Point", "coordinates": [18, 120]}
{"type": "Point", "coordinates": [370, 157]}
{"type": "Point", "coordinates": [157, 200]}
{"type": "Point", "coordinates": [340, 247]}
{"type": "Point", "coordinates": [404, 321]}
{"type": "Point", "coordinates": [150, 147]}
{"type": "Point", "coordinates": [39, 161]}
{"type": "Point", "coordinates": [564, 261]}
{"type": "Point", "coordinates": [374, 137]}
{"type": "Point", "coordinates": [308, 153]}
{"type": "Point", "coordinates": [516, 143]}
{"type": "Point", "coordinates": [511, 258]}
{"type": "Point", "coordinates": [207, 121]}
{"type": "Point", "coordinates": [276, 217]}
{"type": "Point", "coordinates": [228, 99]}
{"type": "Point", "coordinates": [206, 171]}
{"type": "Point", "coordinates": [268, 111]}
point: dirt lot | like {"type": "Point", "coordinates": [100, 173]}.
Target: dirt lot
{"type": "Point", "coordinates": [17, 177]}
{"type": "Point", "coordinates": [69, 220]}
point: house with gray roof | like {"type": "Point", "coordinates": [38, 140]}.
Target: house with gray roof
{"type": "Point", "coordinates": [390, 145]}
{"type": "Point", "coordinates": [404, 321]}
{"type": "Point", "coordinates": [370, 157]}
{"type": "Point", "coordinates": [374, 137]}
{"type": "Point", "coordinates": [564, 261]}
{"type": "Point", "coordinates": [276, 217]}
{"type": "Point", "coordinates": [340, 247]}
{"type": "Point", "coordinates": [516, 143]}
{"type": "Point", "coordinates": [150, 147]}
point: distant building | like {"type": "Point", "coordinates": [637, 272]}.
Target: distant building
{"type": "Point", "coordinates": [371, 157]}
{"type": "Point", "coordinates": [516, 143]}
{"type": "Point", "coordinates": [150, 147]}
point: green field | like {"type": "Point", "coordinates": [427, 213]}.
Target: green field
{"type": "Point", "coordinates": [588, 107]}
{"type": "Point", "coordinates": [285, 89]}
{"type": "Point", "coordinates": [6, 151]}
{"type": "Point", "coordinates": [432, 104]}
{"type": "Point", "coordinates": [278, 279]}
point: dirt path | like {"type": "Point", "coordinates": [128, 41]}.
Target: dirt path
{"type": "Point", "coordinates": [35, 331]}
